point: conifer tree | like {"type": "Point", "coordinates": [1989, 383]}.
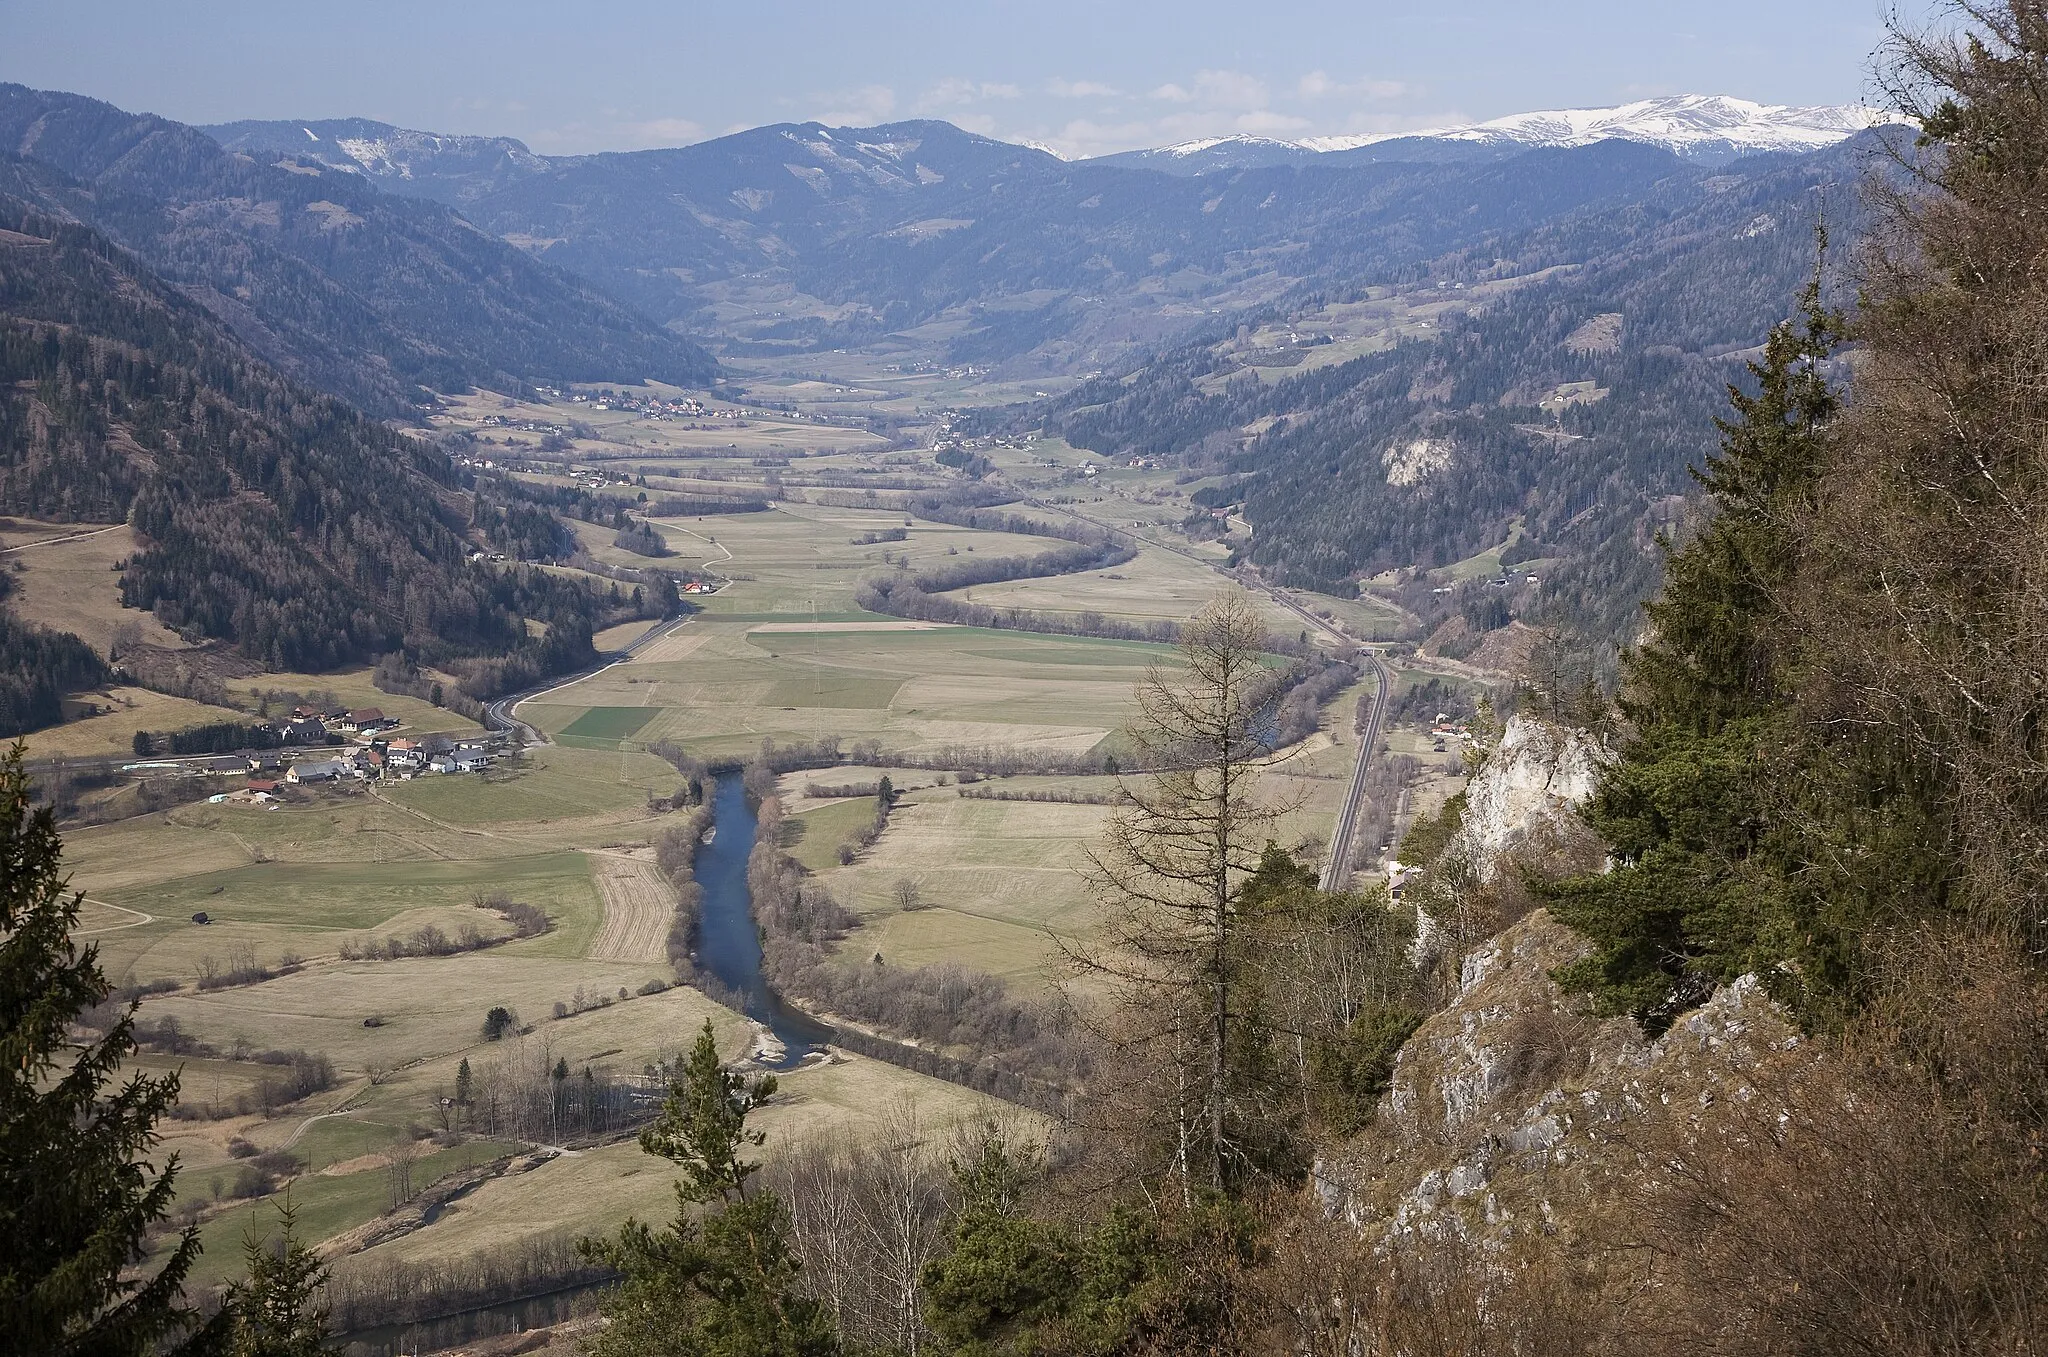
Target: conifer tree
{"type": "Point", "coordinates": [1702, 887]}
{"type": "Point", "coordinates": [278, 1312]}
{"type": "Point", "coordinates": [721, 1279]}
{"type": "Point", "coordinates": [77, 1192]}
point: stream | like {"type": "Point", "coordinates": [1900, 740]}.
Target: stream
{"type": "Point", "coordinates": [729, 942]}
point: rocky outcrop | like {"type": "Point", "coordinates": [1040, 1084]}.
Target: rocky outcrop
{"type": "Point", "coordinates": [1533, 781]}
{"type": "Point", "coordinates": [1511, 1104]}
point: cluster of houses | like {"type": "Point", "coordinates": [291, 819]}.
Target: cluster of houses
{"type": "Point", "coordinates": [654, 407]}
{"type": "Point", "coordinates": [370, 752]}
{"type": "Point", "coordinates": [1446, 730]}
{"type": "Point", "coordinates": [524, 425]}
{"type": "Point", "coordinates": [394, 760]}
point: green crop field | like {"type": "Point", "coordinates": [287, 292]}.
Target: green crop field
{"type": "Point", "coordinates": [610, 724]}
{"type": "Point", "coordinates": [812, 834]}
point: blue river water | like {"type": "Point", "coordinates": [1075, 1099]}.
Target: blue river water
{"type": "Point", "coordinates": [729, 941]}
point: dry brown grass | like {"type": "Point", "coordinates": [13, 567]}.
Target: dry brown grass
{"type": "Point", "coordinates": [72, 584]}
{"type": "Point", "coordinates": [638, 907]}
{"type": "Point", "coordinates": [112, 734]}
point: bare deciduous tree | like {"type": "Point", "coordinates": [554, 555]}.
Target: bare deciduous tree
{"type": "Point", "coordinates": [866, 1216]}
{"type": "Point", "coordinates": [1170, 871]}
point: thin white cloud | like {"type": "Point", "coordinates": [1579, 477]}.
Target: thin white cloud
{"type": "Point", "coordinates": [665, 131]}
{"type": "Point", "coordinates": [863, 107]}
{"type": "Point", "coordinates": [1215, 89]}
{"type": "Point", "coordinates": [620, 130]}
{"type": "Point", "coordinates": [1321, 85]}
{"type": "Point", "coordinates": [1061, 88]}
{"type": "Point", "coordinates": [954, 92]}
{"type": "Point", "coordinates": [1230, 89]}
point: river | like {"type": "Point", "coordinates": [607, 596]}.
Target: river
{"type": "Point", "coordinates": [729, 941]}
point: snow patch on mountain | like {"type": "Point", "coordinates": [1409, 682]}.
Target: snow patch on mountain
{"type": "Point", "coordinates": [1686, 124]}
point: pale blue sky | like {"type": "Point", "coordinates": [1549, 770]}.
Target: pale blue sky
{"type": "Point", "coordinates": [1084, 76]}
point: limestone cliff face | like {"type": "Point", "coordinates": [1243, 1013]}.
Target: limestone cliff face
{"type": "Point", "coordinates": [1532, 782]}
{"type": "Point", "coordinates": [1511, 1109]}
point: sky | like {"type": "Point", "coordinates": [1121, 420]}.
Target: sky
{"type": "Point", "coordinates": [1082, 77]}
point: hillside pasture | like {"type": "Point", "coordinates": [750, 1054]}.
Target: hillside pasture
{"type": "Point", "coordinates": [597, 1188]}
{"type": "Point", "coordinates": [543, 787]}
{"type": "Point", "coordinates": [800, 558]}
{"type": "Point", "coordinates": [123, 711]}
{"type": "Point", "coordinates": [426, 1005]}
{"type": "Point", "coordinates": [64, 577]}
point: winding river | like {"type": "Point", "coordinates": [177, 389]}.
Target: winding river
{"type": "Point", "coordinates": [729, 942]}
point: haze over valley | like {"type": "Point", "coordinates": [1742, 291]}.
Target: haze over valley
{"type": "Point", "coordinates": [1099, 712]}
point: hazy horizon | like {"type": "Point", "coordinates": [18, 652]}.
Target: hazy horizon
{"type": "Point", "coordinates": [624, 76]}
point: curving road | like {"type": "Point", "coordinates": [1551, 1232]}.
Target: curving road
{"type": "Point", "coordinates": [501, 714]}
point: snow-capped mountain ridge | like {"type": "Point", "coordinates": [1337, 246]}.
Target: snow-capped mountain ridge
{"type": "Point", "coordinates": [1689, 125]}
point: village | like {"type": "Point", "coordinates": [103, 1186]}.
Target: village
{"type": "Point", "coordinates": [333, 745]}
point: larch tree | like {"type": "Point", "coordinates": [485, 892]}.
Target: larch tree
{"type": "Point", "coordinates": [1170, 872]}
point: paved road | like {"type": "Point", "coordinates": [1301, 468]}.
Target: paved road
{"type": "Point", "coordinates": [1337, 869]}
{"type": "Point", "coordinates": [503, 713]}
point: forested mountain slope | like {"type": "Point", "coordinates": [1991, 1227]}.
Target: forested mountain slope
{"type": "Point", "coordinates": [799, 237]}
{"type": "Point", "coordinates": [278, 518]}
{"type": "Point", "coordinates": [1569, 404]}
{"type": "Point", "coordinates": [373, 296]}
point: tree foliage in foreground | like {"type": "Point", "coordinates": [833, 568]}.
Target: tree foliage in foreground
{"type": "Point", "coordinates": [1700, 892]}
{"type": "Point", "coordinates": [720, 1280]}
{"type": "Point", "coordinates": [77, 1193]}
{"type": "Point", "coordinates": [278, 1311]}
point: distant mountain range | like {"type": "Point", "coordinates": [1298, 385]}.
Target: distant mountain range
{"type": "Point", "coordinates": [1701, 127]}
{"type": "Point", "coordinates": [377, 297]}
{"type": "Point", "coordinates": [1708, 127]}
{"type": "Point", "coordinates": [800, 238]}
{"type": "Point", "coordinates": [1395, 352]}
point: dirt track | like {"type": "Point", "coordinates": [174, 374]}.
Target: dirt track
{"type": "Point", "coordinates": [638, 908]}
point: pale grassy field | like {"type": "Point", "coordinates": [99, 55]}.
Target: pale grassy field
{"type": "Point", "coordinates": [1156, 586]}
{"type": "Point", "coordinates": [589, 1190]}
{"type": "Point", "coordinates": [1004, 882]}
{"type": "Point", "coordinates": [594, 1191]}
{"type": "Point", "coordinates": [72, 584]}
{"type": "Point", "coordinates": [796, 557]}
{"type": "Point", "coordinates": [724, 686]}
{"type": "Point", "coordinates": [112, 734]}
{"type": "Point", "coordinates": [429, 1005]}
{"type": "Point", "coordinates": [638, 908]}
